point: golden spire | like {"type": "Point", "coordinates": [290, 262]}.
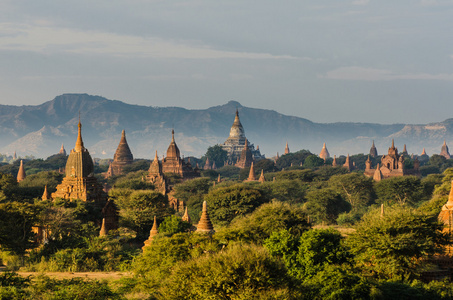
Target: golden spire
{"type": "Point", "coordinates": [79, 143]}
{"type": "Point", "coordinates": [218, 179]}
{"type": "Point", "coordinates": [21, 173]}
{"type": "Point", "coordinates": [393, 143]}
{"type": "Point", "coordinates": [205, 225]}
{"type": "Point", "coordinates": [172, 135]}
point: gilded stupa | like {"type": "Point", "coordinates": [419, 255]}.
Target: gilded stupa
{"type": "Point", "coordinates": [123, 157]}
{"type": "Point", "coordinates": [79, 181]}
{"type": "Point", "coordinates": [152, 233]}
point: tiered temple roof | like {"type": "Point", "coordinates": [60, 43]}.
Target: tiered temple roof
{"type": "Point", "coordinates": [392, 165]}
{"type": "Point", "coordinates": [62, 150]}
{"type": "Point", "coordinates": [156, 176]}
{"type": "Point", "coordinates": [287, 149]}
{"type": "Point", "coordinates": [79, 181]}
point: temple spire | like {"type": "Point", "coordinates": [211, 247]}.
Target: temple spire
{"type": "Point", "coordinates": [21, 173]}
{"type": "Point", "coordinates": [186, 217]}
{"type": "Point", "coordinates": [286, 148]}
{"type": "Point", "coordinates": [79, 143]}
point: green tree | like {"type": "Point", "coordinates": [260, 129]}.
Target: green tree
{"type": "Point", "coordinates": [401, 190]}
{"type": "Point", "coordinates": [285, 190]}
{"type": "Point", "coordinates": [216, 154]}
{"type": "Point", "coordinates": [311, 253]}
{"type": "Point", "coordinates": [192, 193]}
{"type": "Point", "coordinates": [268, 218]}
{"type": "Point", "coordinates": [227, 203]}
{"type": "Point", "coordinates": [313, 161]}
{"type": "Point", "coordinates": [138, 208]}
{"type": "Point", "coordinates": [295, 159]}
{"type": "Point", "coordinates": [173, 224]}
{"type": "Point", "coordinates": [325, 205]}
{"type": "Point", "coordinates": [16, 222]}
{"type": "Point", "coordinates": [355, 188]}
{"type": "Point", "coordinates": [239, 272]}
{"type": "Point", "coordinates": [394, 246]}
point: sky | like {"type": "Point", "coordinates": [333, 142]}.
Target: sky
{"type": "Point", "coordinates": [328, 61]}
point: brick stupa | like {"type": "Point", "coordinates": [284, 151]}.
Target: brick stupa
{"type": "Point", "coordinates": [324, 154]}
{"type": "Point", "coordinates": [152, 233]}
{"type": "Point", "coordinates": [21, 174]}
{"type": "Point", "coordinates": [205, 225]}
{"type": "Point", "coordinates": [123, 156]}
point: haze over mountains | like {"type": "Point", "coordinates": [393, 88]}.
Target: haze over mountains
{"type": "Point", "coordinates": [40, 130]}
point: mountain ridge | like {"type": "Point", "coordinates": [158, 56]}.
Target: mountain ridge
{"type": "Point", "coordinates": [41, 129]}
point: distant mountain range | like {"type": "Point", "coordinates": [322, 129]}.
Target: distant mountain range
{"type": "Point", "coordinates": [40, 130]}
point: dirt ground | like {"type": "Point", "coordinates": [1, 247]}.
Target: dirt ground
{"type": "Point", "coordinates": [87, 275]}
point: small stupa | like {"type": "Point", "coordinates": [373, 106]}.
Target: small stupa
{"type": "Point", "coordinates": [286, 148]}
{"type": "Point", "coordinates": [21, 174]}
{"type": "Point", "coordinates": [186, 217]}
{"type": "Point", "coordinates": [152, 233]}
{"type": "Point", "coordinates": [45, 195]}
{"type": "Point", "coordinates": [205, 225]}
{"type": "Point", "coordinates": [377, 174]}
{"type": "Point", "coordinates": [252, 176]}
{"type": "Point", "coordinates": [373, 150]}
{"type": "Point", "coordinates": [324, 154]}
{"type": "Point", "coordinates": [262, 179]}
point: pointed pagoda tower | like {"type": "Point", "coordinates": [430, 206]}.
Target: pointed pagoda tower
{"type": "Point", "coordinates": [373, 150]}
{"type": "Point", "coordinates": [45, 195]}
{"type": "Point", "coordinates": [14, 156]}
{"type": "Point", "coordinates": [252, 176]}
{"type": "Point", "coordinates": [156, 176]}
{"type": "Point", "coordinates": [174, 164]}
{"type": "Point", "coordinates": [348, 164]}
{"type": "Point", "coordinates": [286, 148]}
{"type": "Point", "coordinates": [334, 162]}
{"type": "Point", "coordinates": [186, 217]}
{"type": "Point", "coordinates": [246, 158]}
{"type": "Point", "coordinates": [79, 181]}
{"type": "Point", "coordinates": [377, 173]}
{"type": "Point", "coordinates": [262, 178]}
{"type": "Point", "coordinates": [444, 151]}
{"type": "Point", "coordinates": [207, 165]}
{"type": "Point", "coordinates": [205, 225]}
{"type": "Point", "coordinates": [152, 233]}
{"type": "Point", "coordinates": [62, 150]}
{"type": "Point", "coordinates": [324, 154]}
{"type": "Point", "coordinates": [123, 156]}
{"type": "Point", "coordinates": [404, 151]}
{"type": "Point", "coordinates": [21, 174]}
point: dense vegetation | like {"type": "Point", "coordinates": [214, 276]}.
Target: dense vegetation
{"type": "Point", "coordinates": [311, 231]}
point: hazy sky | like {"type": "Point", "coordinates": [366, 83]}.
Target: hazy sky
{"type": "Point", "coordinates": [359, 60]}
